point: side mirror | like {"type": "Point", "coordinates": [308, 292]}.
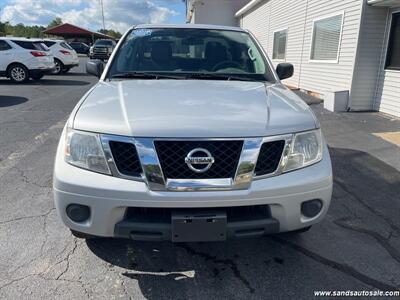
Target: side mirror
{"type": "Point", "coordinates": [284, 70]}
{"type": "Point", "coordinates": [95, 67]}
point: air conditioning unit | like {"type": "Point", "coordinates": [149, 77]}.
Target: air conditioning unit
{"type": "Point", "coordinates": [336, 101]}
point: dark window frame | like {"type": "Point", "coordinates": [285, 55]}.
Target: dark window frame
{"type": "Point", "coordinates": [389, 51]}
{"type": "Point", "coordinates": [25, 45]}
{"type": "Point", "coordinates": [31, 45]}
{"type": "Point", "coordinates": [49, 43]}
{"type": "Point", "coordinates": [9, 46]}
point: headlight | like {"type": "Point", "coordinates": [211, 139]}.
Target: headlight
{"type": "Point", "coordinates": [305, 150]}
{"type": "Point", "coordinates": [84, 150]}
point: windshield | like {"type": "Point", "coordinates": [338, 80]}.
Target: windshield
{"type": "Point", "coordinates": [103, 43]}
{"type": "Point", "coordinates": [198, 53]}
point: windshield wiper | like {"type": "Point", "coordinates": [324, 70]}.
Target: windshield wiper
{"type": "Point", "coordinates": [145, 75]}
{"type": "Point", "coordinates": [218, 76]}
{"type": "Point", "coordinates": [205, 76]}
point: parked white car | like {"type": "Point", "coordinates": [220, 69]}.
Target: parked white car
{"type": "Point", "coordinates": [191, 136]}
{"type": "Point", "coordinates": [65, 57]}
{"type": "Point", "coordinates": [21, 59]}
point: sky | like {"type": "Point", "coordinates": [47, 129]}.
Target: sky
{"type": "Point", "coordinates": [119, 14]}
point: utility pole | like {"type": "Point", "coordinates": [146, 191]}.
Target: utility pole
{"type": "Point", "coordinates": [102, 13]}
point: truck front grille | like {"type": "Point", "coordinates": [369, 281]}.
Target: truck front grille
{"type": "Point", "coordinates": [172, 156]}
{"type": "Point", "coordinates": [100, 50]}
{"type": "Point", "coordinates": [269, 157]}
{"type": "Point", "coordinates": [126, 158]}
{"type": "Point", "coordinates": [189, 159]}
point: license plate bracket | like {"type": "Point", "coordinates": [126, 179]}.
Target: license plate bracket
{"type": "Point", "coordinates": [200, 226]}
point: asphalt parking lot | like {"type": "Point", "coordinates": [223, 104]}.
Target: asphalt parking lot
{"type": "Point", "coordinates": [357, 246]}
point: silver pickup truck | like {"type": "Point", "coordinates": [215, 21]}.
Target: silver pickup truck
{"type": "Point", "coordinates": [189, 135]}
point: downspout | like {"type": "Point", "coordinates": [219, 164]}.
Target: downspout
{"type": "Point", "coordinates": [357, 53]}
{"type": "Point", "coordinates": [385, 44]}
{"type": "Point", "coordinates": [186, 10]}
{"type": "Point", "coordinates": [302, 45]}
{"type": "Point", "coordinates": [191, 10]}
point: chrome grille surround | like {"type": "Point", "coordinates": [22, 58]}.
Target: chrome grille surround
{"type": "Point", "coordinates": [153, 174]}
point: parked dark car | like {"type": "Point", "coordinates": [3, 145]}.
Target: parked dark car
{"type": "Point", "coordinates": [80, 48]}
{"type": "Point", "coordinates": [102, 49]}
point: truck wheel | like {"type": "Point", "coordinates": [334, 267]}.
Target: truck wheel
{"type": "Point", "coordinates": [37, 76]}
{"type": "Point", "coordinates": [18, 73]}
{"type": "Point", "coordinates": [302, 230]}
{"type": "Point", "coordinates": [81, 235]}
{"type": "Point", "coordinates": [65, 70]}
{"type": "Point", "coordinates": [59, 66]}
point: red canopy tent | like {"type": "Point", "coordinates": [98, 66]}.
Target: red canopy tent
{"type": "Point", "coordinates": [72, 33]}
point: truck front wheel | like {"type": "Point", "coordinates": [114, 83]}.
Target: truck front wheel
{"type": "Point", "coordinates": [81, 235]}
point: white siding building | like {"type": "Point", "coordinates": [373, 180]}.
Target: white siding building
{"type": "Point", "coordinates": [217, 12]}
{"type": "Point", "coordinates": [343, 45]}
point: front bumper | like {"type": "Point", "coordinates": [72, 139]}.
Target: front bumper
{"type": "Point", "coordinates": [196, 224]}
{"type": "Point", "coordinates": [45, 71]}
{"type": "Point", "coordinates": [99, 55]}
{"type": "Point", "coordinates": [109, 197]}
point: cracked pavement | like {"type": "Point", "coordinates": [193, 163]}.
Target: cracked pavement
{"type": "Point", "coordinates": [357, 246]}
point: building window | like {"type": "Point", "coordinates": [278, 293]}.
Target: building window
{"type": "Point", "coordinates": [326, 39]}
{"type": "Point", "coordinates": [393, 52]}
{"type": "Point", "coordinates": [280, 39]}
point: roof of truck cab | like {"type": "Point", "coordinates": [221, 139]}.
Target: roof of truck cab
{"type": "Point", "coordinates": [189, 26]}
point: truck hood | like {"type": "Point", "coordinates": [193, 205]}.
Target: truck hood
{"type": "Point", "coordinates": [192, 108]}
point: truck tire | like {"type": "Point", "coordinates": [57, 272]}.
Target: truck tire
{"type": "Point", "coordinates": [37, 76]}
{"type": "Point", "coordinates": [81, 235]}
{"type": "Point", "coordinates": [299, 231]}
{"type": "Point", "coordinates": [59, 66]}
{"type": "Point", "coordinates": [65, 70]}
{"type": "Point", "coordinates": [18, 73]}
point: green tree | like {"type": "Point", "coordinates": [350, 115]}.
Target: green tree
{"type": "Point", "coordinates": [9, 29]}
{"type": "Point", "coordinates": [21, 30]}
{"type": "Point", "coordinates": [57, 21]}
{"type": "Point", "coordinates": [110, 32]}
{"type": "Point", "coordinates": [2, 29]}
